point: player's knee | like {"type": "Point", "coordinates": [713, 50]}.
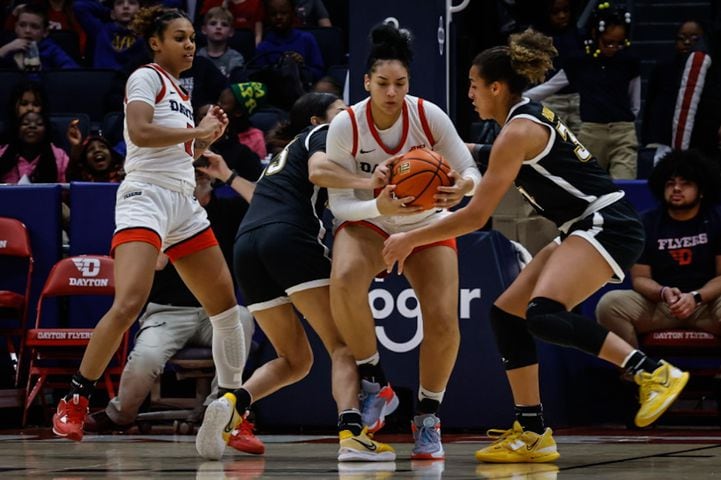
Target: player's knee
{"type": "Point", "coordinates": [545, 322]}
{"type": "Point", "coordinates": [300, 362]}
{"type": "Point", "coordinates": [515, 343]}
{"type": "Point", "coordinates": [126, 310]}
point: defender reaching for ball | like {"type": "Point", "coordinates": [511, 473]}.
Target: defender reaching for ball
{"type": "Point", "coordinates": [601, 236]}
{"type": "Point", "coordinates": [361, 139]}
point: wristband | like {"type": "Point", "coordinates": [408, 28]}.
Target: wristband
{"type": "Point", "coordinates": [232, 176]}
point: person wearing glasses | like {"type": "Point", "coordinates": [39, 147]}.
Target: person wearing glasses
{"type": "Point", "coordinates": [607, 77]}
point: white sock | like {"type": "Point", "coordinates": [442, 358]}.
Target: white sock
{"type": "Point", "coordinates": [437, 396]}
{"type": "Point", "coordinates": [229, 348]}
{"type": "Point", "coordinates": [373, 359]}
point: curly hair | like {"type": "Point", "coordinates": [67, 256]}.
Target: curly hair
{"type": "Point", "coordinates": [152, 21]}
{"type": "Point", "coordinates": [690, 165]}
{"type": "Point", "coordinates": [525, 61]}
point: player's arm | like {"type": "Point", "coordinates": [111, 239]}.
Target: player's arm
{"type": "Point", "coordinates": [510, 149]}
{"type": "Point", "coordinates": [325, 173]}
{"type": "Point", "coordinates": [217, 168]}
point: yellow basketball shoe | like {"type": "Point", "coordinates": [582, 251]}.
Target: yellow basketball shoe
{"type": "Point", "coordinates": [658, 390]}
{"type": "Point", "coordinates": [219, 421]}
{"type": "Point", "coordinates": [516, 446]}
{"type": "Point", "coordinates": [362, 448]}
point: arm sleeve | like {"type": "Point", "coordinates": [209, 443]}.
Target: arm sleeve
{"type": "Point", "coordinates": [549, 87]}
{"type": "Point", "coordinates": [343, 202]}
{"type": "Point", "coordinates": [143, 85]}
{"type": "Point", "coordinates": [450, 145]}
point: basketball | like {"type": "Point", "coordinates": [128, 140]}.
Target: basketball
{"type": "Point", "coordinates": [418, 174]}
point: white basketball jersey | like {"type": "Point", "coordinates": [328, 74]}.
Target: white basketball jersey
{"type": "Point", "coordinates": [165, 166]}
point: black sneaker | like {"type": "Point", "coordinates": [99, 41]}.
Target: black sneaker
{"type": "Point", "coordinates": [100, 422]}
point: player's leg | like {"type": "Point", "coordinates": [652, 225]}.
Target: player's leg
{"type": "Point", "coordinates": [433, 274]}
{"type": "Point", "coordinates": [357, 260]}
{"type": "Point", "coordinates": [134, 269]}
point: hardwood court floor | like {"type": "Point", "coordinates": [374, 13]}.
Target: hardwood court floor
{"type": "Point", "coordinates": [601, 453]}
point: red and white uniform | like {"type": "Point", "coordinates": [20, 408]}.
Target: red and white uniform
{"type": "Point", "coordinates": [355, 143]}
{"type": "Point", "coordinates": [155, 203]}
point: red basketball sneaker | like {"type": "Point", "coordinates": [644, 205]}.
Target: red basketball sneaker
{"type": "Point", "coordinates": [244, 440]}
{"type": "Point", "coordinates": [69, 419]}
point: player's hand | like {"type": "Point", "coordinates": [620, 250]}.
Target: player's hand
{"type": "Point", "coordinates": [73, 133]}
{"type": "Point", "coordinates": [217, 167]}
{"type": "Point", "coordinates": [683, 306]}
{"type": "Point", "coordinates": [396, 249]}
{"type": "Point", "coordinates": [388, 204]}
{"type": "Point", "coordinates": [382, 173]}
{"type": "Point", "coordinates": [212, 125]}
{"type": "Point", "coordinates": [451, 196]}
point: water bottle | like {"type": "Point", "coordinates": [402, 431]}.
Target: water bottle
{"type": "Point", "coordinates": [32, 57]}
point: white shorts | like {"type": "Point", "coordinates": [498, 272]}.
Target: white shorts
{"type": "Point", "coordinates": [173, 216]}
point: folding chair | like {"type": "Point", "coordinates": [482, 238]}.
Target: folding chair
{"type": "Point", "coordinates": [17, 271]}
{"type": "Point", "coordinates": [56, 352]}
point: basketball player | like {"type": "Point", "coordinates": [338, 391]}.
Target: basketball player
{"type": "Point", "coordinates": [600, 237]}
{"type": "Point", "coordinates": [281, 263]}
{"type": "Point", "coordinates": [362, 139]}
{"type": "Point", "coordinates": [156, 210]}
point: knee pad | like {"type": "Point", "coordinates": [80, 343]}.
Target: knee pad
{"type": "Point", "coordinates": [548, 320]}
{"type": "Point", "coordinates": [515, 343]}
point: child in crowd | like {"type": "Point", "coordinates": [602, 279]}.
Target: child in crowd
{"type": "Point", "coordinates": [111, 41]}
{"type": "Point", "coordinates": [608, 81]}
{"type": "Point", "coordinates": [30, 156]}
{"type": "Point", "coordinates": [239, 101]}
{"type": "Point", "coordinates": [218, 29]}
{"type": "Point", "coordinates": [282, 38]}
{"type": "Point", "coordinates": [247, 14]}
{"type": "Point", "coordinates": [92, 159]}
{"type": "Point", "coordinates": [32, 50]}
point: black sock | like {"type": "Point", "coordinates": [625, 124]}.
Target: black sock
{"type": "Point", "coordinates": [81, 386]}
{"type": "Point", "coordinates": [243, 399]}
{"type": "Point", "coordinates": [531, 418]}
{"type": "Point", "coordinates": [350, 420]}
{"type": "Point", "coordinates": [428, 405]}
{"type": "Point", "coordinates": [640, 362]}
{"type": "Point", "coordinates": [372, 373]}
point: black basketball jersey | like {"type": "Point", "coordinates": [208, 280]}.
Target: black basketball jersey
{"type": "Point", "coordinates": [564, 182]}
{"type": "Point", "coordinates": [284, 193]}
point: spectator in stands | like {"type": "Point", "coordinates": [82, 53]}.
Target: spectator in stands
{"type": "Point", "coordinates": [281, 38]}
{"type": "Point", "coordinates": [60, 17]}
{"type": "Point", "coordinates": [113, 44]}
{"type": "Point", "coordinates": [173, 319]}
{"type": "Point", "coordinates": [25, 97]}
{"type": "Point", "coordinates": [558, 22]}
{"type": "Point", "coordinates": [328, 84]}
{"type": "Point", "coordinates": [218, 29]}
{"type": "Point", "coordinates": [30, 156]}
{"type": "Point", "coordinates": [92, 159]}
{"type": "Point", "coordinates": [683, 98]}
{"type": "Point", "coordinates": [677, 281]}
{"type": "Point", "coordinates": [608, 81]}
{"type": "Point", "coordinates": [240, 158]}
{"type": "Point", "coordinates": [32, 50]}
{"type": "Point", "coordinates": [239, 101]}
{"type": "Point", "coordinates": [311, 13]}
{"type": "Point", "coordinates": [247, 14]}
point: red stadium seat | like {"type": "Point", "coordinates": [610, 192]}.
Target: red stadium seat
{"type": "Point", "coordinates": [15, 244]}
{"type": "Point", "coordinates": [56, 352]}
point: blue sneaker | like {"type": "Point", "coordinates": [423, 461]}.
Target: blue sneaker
{"type": "Point", "coordinates": [375, 404]}
{"type": "Point", "coordinates": [427, 435]}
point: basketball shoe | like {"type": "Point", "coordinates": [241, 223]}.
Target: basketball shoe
{"type": "Point", "coordinates": [220, 419]}
{"type": "Point", "coordinates": [427, 435]}
{"type": "Point", "coordinates": [362, 448]}
{"type": "Point", "coordinates": [375, 404]}
{"type": "Point", "coordinates": [518, 446]}
{"type": "Point", "coordinates": [69, 418]}
{"type": "Point", "coordinates": [244, 440]}
{"type": "Point", "coordinates": [658, 390]}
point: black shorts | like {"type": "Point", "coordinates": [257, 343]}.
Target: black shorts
{"type": "Point", "coordinates": [616, 232]}
{"type": "Point", "coordinates": [276, 260]}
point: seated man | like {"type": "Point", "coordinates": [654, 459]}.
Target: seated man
{"type": "Point", "coordinates": [677, 280]}
{"type": "Point", "coordinates": [173, 318]}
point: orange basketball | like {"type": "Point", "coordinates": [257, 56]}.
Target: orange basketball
{"type": "Point", "coordinates": [418, 174]}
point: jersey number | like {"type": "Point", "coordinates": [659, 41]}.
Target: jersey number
{"type": "Point", "coordinates": [567, 135]}
{"type": "Point", "coordinates": [278, 162]}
